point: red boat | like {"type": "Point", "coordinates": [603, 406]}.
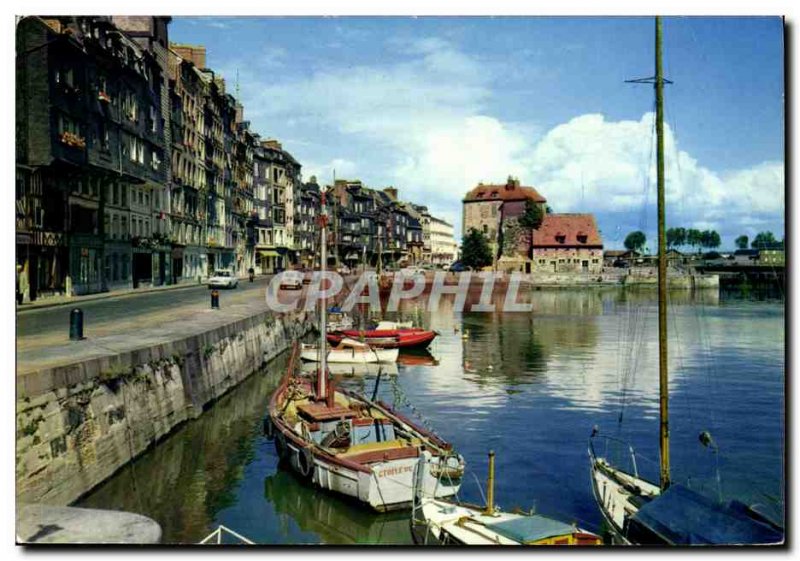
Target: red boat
{"type": "Point", "coordinates": [387, 338]}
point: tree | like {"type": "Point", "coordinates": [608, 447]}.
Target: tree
{"type": "Point", "coordinates": [635, 241]}
{"type": "Point", "coordinates": [533, 215]}
{"type": "Point", "coordinates": [741, 242]}
{"type": "Point", "coordinates": [694, 237]}
{"type": "Point", "coordinates": [711, 239]}
{"type": "Point", "coordinates": [475, 250]}
{"type": "Point", "coordinates": [764, 240]}
{"type": "Point", "coordinates": [676, 237]}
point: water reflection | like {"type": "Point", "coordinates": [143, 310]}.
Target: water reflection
{"type": "Point", "coordinates": [185, 481]}
{"type": "Point", "coordinates": [334, 520]}
{"type": "Point", "coordinates": [528, 385]}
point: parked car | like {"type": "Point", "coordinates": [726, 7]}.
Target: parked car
{"type": "Point", "coordinates": [458, 267]}
{"type": "Point", "coordinates": [292, 280]}
{"type": "Point", "coordinates": [223, 278]}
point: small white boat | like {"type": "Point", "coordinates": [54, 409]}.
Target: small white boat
{"type": "Point", "coordinates": [350, 351]}
{"type": "Point", "coordinates": [354, 369]}
{"type": "Point", "coordinates": [437, 521]}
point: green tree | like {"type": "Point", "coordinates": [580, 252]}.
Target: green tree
{"type": "Point", "coordinates": [764, 240]}
{"type": "Point", "coordinates": [533, 215]}
{"type": "Point", "coordinates": [742, 241]}
{"type": "Point", "coordinates": [711, 239]}
{"type": "Point", "coordinates": [635, 241]}
{"type": "Point", "coordinates": [676, 237]}
{"type": "Point", "coordinates": [694, 238]}
{"type": "Point", "coordinates": [475, 251]}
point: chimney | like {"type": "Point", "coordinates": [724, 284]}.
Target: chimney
{"type": "Point", "coordinates": [271, 143]}
{"type": "Point", "coordinates": [196, 54]}
{"type": "Point", "coordinates": [392, 192]}
{"type": "Point", "coordinates": [239, 112]}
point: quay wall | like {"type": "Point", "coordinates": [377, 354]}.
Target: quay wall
{"type": "Point", "coordinates": [78, 424]}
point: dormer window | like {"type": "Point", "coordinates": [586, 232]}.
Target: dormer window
{"type": "Point", "coordinates": [494, 194]}
{"type": "Point", "coordinates": [561, 238]}
{"type": "Point", "coordinates": [582, 237]}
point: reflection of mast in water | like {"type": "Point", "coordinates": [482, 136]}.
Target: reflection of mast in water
{"type": "Point", "coordinates": [334, 520]}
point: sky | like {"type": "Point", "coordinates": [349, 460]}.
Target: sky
{"type": "Point", "coordinates": [434, 105]}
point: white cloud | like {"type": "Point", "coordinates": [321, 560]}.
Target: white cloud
{"type": "Point", "coordinates": [592, 164]}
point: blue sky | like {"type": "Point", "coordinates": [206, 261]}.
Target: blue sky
{"type": "Point", "coordinates": [434, 105]}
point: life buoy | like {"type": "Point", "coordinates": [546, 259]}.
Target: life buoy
{"type": "Point", "coordinates": [269, 428]}
{"type": "Point", "coordinates": [280, 446]}
{"type": "Point", "coordinates": [305, 463]}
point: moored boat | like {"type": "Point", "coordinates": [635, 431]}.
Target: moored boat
{"type": "Point", "coordinates": [387, 338]}
{"type": "Point", "coordinates": [356, 447]}
{"type": "Point", "coordinates": [349, 351]}
{"type": "Point", "coordinates": [445, 522]}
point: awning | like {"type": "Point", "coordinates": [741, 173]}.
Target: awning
{"type": "Point", "coordinates": [350, 256]}
{"type": "Point", "coordinates": [267, 252]}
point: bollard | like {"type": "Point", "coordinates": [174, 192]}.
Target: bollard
{"type": "Point", "coordinates": [215, 299]}
{"type": "Point", "coordinates": [76, 325]}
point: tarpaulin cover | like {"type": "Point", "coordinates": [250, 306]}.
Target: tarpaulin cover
{"type": "Point", "coordinates": [682, 516]}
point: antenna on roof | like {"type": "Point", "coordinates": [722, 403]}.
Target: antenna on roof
{"type": "Point", "coordinates": [237, 85]}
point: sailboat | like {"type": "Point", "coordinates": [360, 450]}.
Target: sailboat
{"type": "Point", "coordinates": [445, 522]}
{"type": "Point", "coordinates": [638, 511]}
{"type": "Point", "coordinates": [352, 445]}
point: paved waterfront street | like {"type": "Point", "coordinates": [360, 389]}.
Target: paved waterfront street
{"type": "Point", "coordinates": [38, 329]}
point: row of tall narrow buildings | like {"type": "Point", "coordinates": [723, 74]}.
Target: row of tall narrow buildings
{"type": "Point", "coordinates": [135, 167]}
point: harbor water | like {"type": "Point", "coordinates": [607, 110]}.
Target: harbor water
{"type": "Point", "coordinates": [531, 387]}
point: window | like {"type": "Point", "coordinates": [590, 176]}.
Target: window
{"type": "Point", "coordinates": [102, 136]}
{"type": "Point", "coordinates": [152, 120]}
{"type": "Point", "coordinates": [65, 124]}
{"type": "Point", "coordinates": [65, 77]}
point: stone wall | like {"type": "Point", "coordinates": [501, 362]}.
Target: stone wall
{"type": "Point", "coordinates": [78, 424]}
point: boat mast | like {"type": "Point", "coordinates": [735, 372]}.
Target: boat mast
{"type": "Point", "coordinates": [663, 374]}
{"type": "Point", "coordinates": [322, 376]}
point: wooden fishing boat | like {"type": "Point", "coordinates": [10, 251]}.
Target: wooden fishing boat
{"type": "Point", "coordinates": [349, 444]}
{"type": "Point", "coordinates": [445, 522]}
{"type": "Point", "coordinates": [638, 511]}
{"type": "Point", "coordinates": [349, 351]}
{"type": "Point", "coordinates": [387, 338]}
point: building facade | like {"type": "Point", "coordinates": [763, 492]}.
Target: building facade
{"type": "Point", "coordinates": [567, 243]}
{"type": "Point", "coordinates": [486, 207]}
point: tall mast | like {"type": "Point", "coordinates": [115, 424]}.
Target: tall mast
{"type": "Point", "coordinates": [322, 376]}
{"type": "Point", "coordinates": [663, 374]}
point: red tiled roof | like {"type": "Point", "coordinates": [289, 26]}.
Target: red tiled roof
{"type": "Point", "coordinates": [508, 192]}
{"type": "Point", "coordinates": [567, 227]}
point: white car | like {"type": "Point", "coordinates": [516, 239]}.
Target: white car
{"type": "Point", "coordinates": [291, 280]}
{"type": "Point", "coordinates": [223, 278]}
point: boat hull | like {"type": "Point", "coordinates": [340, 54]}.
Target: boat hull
{"type": "Point", "coordinates": [351, 356]}
{"type": "Point", "coordinates": [388, 339]}
{"type": "Point", "coordinates": [385, 486]}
